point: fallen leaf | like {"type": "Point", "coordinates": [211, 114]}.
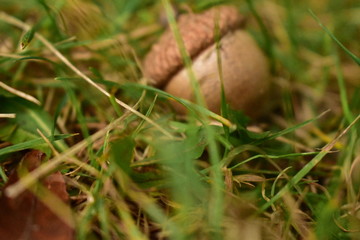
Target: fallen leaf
{"type": "Point", "coordinates": [30, 216]}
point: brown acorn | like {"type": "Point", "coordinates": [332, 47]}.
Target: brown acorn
{"type": "Point", "coordinates": [244, 68]}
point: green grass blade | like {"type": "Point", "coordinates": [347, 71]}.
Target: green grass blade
{"type": "Point", "coordinates": [353, 56]}
{"type": "Point", "coordinates": [269, 48]}
{"type": "Point", "coordinates": [306, 169]}
{"type": "Point", "coordinates": [26, 39]}
{"type": "Point", "coordinates": [189, 105]}
{"type": "Point", "coordinates": [289, 130]}
{"type": "Point", "coordinates": [290, 155]}
{"type": "Point", "coordinates": [216, 201]}
{"type": "Point", "coordinates": [32, 144]}
{"type": "Point", "coordinates": [343, 93]}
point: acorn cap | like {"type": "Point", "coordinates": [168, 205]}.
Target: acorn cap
{"type": "Point", "coordinates": [198, 33]}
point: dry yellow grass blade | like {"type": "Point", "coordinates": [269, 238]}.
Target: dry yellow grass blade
{"type": "Point", "coordinates": [29, 179]}
{"type": "Point", "coordinates": [19, 93]}
{"type": "Point", "coordinates": [16, 22]}
{"type": "Point", "coordinates": [7, 115]}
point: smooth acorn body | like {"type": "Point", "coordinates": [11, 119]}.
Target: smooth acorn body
{"type": "Point", "coordinates": [244, 71]}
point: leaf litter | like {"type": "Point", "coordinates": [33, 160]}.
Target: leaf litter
{"type": "Point", "coordinates": [28, 216]}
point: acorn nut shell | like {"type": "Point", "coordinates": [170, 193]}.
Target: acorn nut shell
{"type": "Point", "coordinates": [244, 67]}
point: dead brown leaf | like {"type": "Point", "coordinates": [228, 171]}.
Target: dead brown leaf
{"type": "Point", "coordinates": [26, 217]}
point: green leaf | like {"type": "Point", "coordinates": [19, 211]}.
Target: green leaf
{"type": "Point", "coordinates": [122, 152]}
{"type": "Point", "coordinates": [29, 118]}
{"type": "Point", "coordinates": [178, 156]}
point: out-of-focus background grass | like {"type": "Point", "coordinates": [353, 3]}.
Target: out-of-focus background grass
{"type": "Point", "coordinates": [187, 179]}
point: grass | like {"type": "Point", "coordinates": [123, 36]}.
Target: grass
{"type": "Point", "coordinates": [136, 170]}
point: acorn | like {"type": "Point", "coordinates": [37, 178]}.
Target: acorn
{"type": "Point", "coordinates": [244, 68]}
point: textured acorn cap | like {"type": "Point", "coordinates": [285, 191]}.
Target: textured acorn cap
{"type": "Point", "coordinates": [198, 33]}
